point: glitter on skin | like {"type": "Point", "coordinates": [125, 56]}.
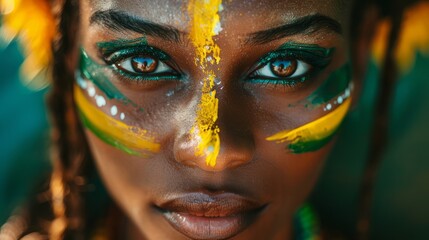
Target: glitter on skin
{"type": "Point", "coordinates": [205, 23]}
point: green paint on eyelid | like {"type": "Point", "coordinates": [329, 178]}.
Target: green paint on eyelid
{"type": "Point", "coordinates": [111, 46]}
{"type": "Point", "coordinates": [106, 137]}
{"type": "Point", "coordinates": [316, 56]}
{"type": "Point", "coordinates": [336, 83]}
{"type": "Point", "coordinates": [312, 48]}
{"type": "Point", "coordinates": [312, 53]}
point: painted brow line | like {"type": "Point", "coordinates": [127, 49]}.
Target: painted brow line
{"type": "Point", "coordinates": [120, 21]}
{"type": "Point", "coordinates": [305, 25]}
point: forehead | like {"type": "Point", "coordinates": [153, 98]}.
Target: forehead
{"type": "Point", "coordinates": [273, 12]}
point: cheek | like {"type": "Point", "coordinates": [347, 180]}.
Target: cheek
{"type": "Point", "coordinates": [295, 174]}
{"type": "Point", "coordinates": [115, 170]}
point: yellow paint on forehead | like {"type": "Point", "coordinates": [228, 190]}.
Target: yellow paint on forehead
{"type": "Point", "coordinates": [205, 24]}
{"type": "Point", "coordinates": [131, 137]}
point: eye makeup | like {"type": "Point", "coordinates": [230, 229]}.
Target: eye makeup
{"type": "Point", "coordinates": [96, 74]}
{"type": "Point", "coordinates": [316, 57]}
{"type": "Point", "coordinates": [117, 51]}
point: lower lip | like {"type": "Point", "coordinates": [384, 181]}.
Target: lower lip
{"type": "Point", "coordinates": [197, 227]}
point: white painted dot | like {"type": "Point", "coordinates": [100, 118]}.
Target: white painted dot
{"type": "Point", "coordinates": [113, 110]}
{"type": "Point", "coordinates": [209, 59]}
{"type": "Point", "coordinates": [91, 91]}
{"type": "Point", "coordinates": [100, 101]}
{"type": "Point", "coordinates": [82, 83]}
{"type": "Point", "coordinates": [122, 116]}
{"type": "Point", "coordinates": [340, 100]}
{"type": "Point", "coordinates": [347, 93]}
{"type": "Point", "coordinates": [329, 106]}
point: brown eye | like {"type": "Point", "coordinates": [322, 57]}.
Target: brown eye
{"type": "Point", "coordinates": [284, 67]}
{"type": "Point", "coordinates": [144, 64]}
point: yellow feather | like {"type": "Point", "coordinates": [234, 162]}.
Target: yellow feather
{"type": "Point", "coordinates": [32, 21]}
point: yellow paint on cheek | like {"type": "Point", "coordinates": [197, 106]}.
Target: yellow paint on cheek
{"type": "Point", "coordinates": [127, 138]}
{"type": "Point", "coordinates": [310, 134]}
{"type": "Point", "coordinates": [205, 24]}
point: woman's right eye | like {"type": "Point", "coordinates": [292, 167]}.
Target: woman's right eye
{"type": "Point", "coordinates": [143, 65]}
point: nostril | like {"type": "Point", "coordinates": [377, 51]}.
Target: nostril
{"type": "Point", "coordinates": [235, 164]}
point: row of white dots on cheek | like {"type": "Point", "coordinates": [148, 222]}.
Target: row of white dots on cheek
{"type": "Point", "coordinates": [340, 99]}
{"type": "Point", "coordinates": [99, 100]}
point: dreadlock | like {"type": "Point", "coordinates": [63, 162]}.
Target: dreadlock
{"type": "Point", "coordinates": [69, 147]}
{"type": "Point", "coordinates": [393, 10]}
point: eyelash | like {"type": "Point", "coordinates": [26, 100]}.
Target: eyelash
{"type": "Point", "coordinates": [313, 61]}
{"type": "Point", "coordinates": [115, 57]}
{"type": "Point", "coordinates": [306, 58]}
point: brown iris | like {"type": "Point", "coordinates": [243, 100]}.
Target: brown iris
{"type": "Point", "coordinates": [144, 64]}
{"type": "Point", "coordinates": [283, 67]}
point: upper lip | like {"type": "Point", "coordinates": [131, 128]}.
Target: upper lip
{"type": "Point", "coordinates": [210, 205]}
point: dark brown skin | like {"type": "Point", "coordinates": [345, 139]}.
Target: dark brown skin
{"type": "Point", "coordinates": [247, 165]}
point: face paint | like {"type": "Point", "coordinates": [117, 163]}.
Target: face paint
{"type": "Point", "coordinates": [314, 135]}
{"type": "Point", "coordinates": [314, 55]}
{"type": "Point", "coordinates": [205, 23]}
{"type": "Point", "coordinates": [337, 82]}
{"type": "Point", "coordinates": [95, 73]}
{"type": "Point", "coordinates": [112, 129]}
{"type": "Point", "coordinates": [130, 139]}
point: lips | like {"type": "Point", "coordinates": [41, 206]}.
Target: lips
{"type": "Point", "coordinates": [210, 216]}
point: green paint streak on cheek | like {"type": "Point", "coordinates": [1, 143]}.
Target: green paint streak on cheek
{"type": "Point", "coordinates": [95, 73]}
{"type": "Point", "coordinates": [104, 136]}
{"type": "Point", "coordinates": [336, 84]}
{"type": "Point", "coordinates": [310, 146]}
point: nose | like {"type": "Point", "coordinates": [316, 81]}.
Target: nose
{"type": "Point", "coordinates": [236, 145]}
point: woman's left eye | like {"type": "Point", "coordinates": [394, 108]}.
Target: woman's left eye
{"type": "Point", "coordinates": [282, 69]}
{"type": "Point", "coordinates": [143, 65]}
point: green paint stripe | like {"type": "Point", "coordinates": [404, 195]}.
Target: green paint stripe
{"type": "Point", "coordinates": [104, 136]}
{"type": "Point", "coordinates": [310, 146]}
{"type": "Point", "coordinates": [95, 73]}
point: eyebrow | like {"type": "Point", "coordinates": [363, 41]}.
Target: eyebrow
{"type": "Point", "coordinates": [119, 21]}
{"type": "Point", "coordinates": [304, 25]}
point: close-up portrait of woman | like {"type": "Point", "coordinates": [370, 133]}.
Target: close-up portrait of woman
{"type": "Point", "coordinates": [210, 119]}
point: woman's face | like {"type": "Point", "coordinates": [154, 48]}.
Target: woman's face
{"type": "Point", "coordinates": [212, 119]}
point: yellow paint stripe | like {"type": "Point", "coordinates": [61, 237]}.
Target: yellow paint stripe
{"type": "Point", "coordinates": [316, 130]}
{"type": "Point", "coordinates": [205, 21]}
{"type": "Point", "coordinates": [130, 136]}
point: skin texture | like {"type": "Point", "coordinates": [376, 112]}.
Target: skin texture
{"type": "Point", "coordinates": [248, 113]}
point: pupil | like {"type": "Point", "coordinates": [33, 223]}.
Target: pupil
{"type": "Point", "coordinates": [284, 68]}
{"type": "Point", "coordinates": [144, 64]}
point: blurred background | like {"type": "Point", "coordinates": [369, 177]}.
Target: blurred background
{"type": "Point", "coordinates": [400, 208]}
